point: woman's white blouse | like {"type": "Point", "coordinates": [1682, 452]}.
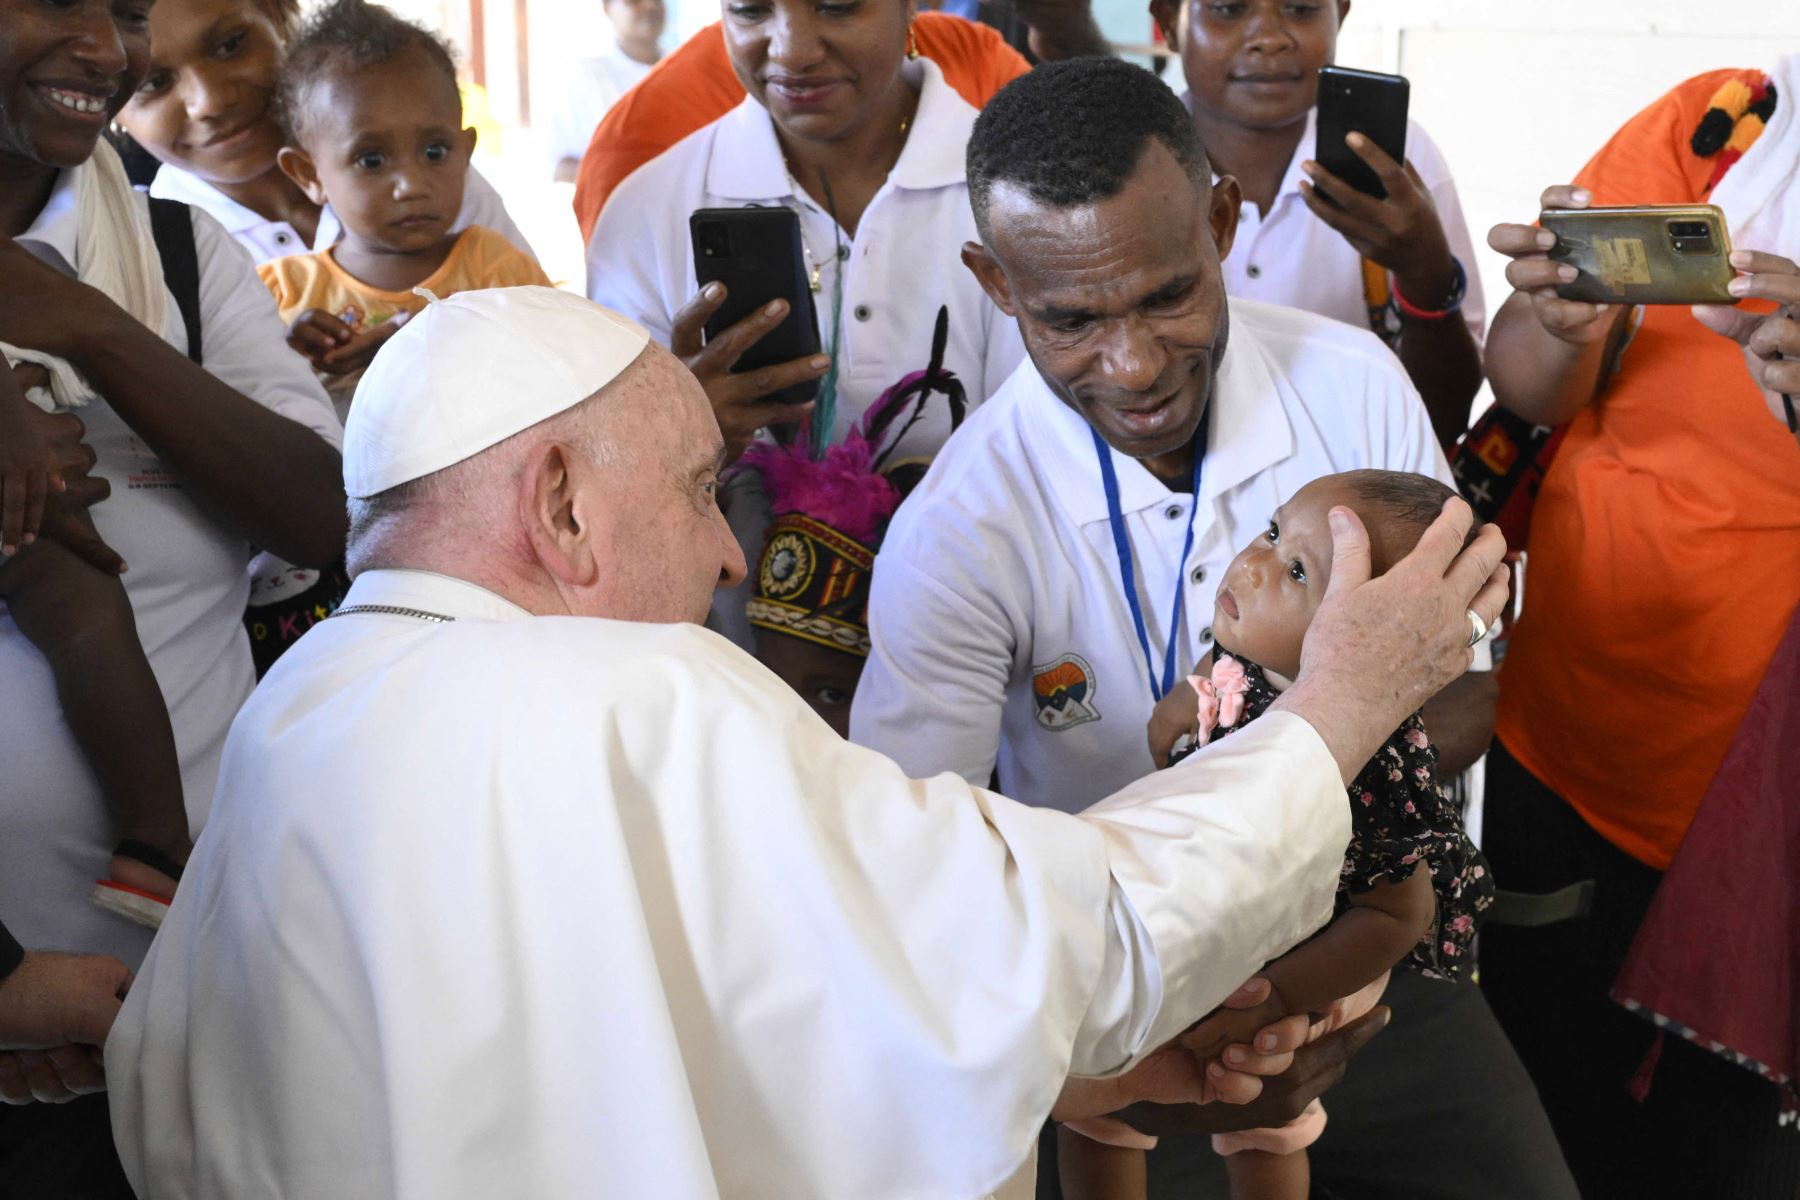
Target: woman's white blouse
{"type": "Point", "coordinates": [902, 264]}
{"type": "Point", "coordinates": [266, 239]}
{"type": "Point", "coordinates": [187, 587]}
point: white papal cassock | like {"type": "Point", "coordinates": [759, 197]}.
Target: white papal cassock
{"type": "Point", "coordinates": [523, 906]}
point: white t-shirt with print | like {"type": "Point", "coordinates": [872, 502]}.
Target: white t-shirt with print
{"type": "Point", "coordinates": [187, 586]}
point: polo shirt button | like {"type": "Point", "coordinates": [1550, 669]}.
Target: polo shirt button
{"type": "Point", "coordinates": [1199, 575]}
{"type": "Point", "coordinates": [862, 312]}
{"type": "Point", "coordinates": [281, 239]}
{"type": "Point", "coordinates": [1173, 512]}
{"type": "Point", "coordinates": [1206, 634]}
{"type": "Point", "coordinates": [1253, 271]}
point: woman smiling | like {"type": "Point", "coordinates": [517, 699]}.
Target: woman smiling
{"type": "Point", "coordinates": [203, 108]}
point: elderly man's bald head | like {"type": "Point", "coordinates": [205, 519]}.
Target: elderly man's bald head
{"type": "Point", "coordinates": [607, 508]}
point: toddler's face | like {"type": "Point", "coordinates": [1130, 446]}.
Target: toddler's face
{"type": "Point", "coordinates": [390, 153]}
{"type": "Point", "coordinates": [1274, 585]}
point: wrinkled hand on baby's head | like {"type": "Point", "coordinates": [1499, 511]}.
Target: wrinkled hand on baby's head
{"type": "Point", "coordinates": [1275, 585]}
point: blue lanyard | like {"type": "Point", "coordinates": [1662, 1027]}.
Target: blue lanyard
{"type": "Point", "coordinates": [1109, 479]}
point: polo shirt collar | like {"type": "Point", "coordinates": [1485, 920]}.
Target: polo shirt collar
{"type": "Point", "coordinates": [1249, 433]}
{"type": "Point", "coordinates": [747, 164]}
{"type": "Point", "coordinates": [57, 223]}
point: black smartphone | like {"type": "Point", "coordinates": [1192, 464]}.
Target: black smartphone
{"type": "Point", "coordinates": [758, 254]}
{"type": "Point", "coordinates": [1365, 102]}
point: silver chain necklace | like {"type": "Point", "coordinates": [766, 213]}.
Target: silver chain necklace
{"type": "Point", "coordinates": [394, 611]}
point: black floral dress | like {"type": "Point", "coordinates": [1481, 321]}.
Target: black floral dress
{"type": "Point", "coordinates": [1399, 817]}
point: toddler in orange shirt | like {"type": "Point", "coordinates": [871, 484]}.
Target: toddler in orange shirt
{"type": "Point", "coordinates": [374, 126]}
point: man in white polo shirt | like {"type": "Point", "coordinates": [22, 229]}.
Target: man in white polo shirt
{"type": "Point", "coordinates": [1003, 636]}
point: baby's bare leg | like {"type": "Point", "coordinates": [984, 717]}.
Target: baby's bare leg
{"type": "Point", "coordinates": [81, 620]}
{"type": "Point", "coordinates": [1260, 1175]}
{"type": "Point", "coordinates": [1090, 1170]}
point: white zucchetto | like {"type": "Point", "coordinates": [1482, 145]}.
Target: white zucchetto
{"type": "Point", "coordinates": [472, 370]}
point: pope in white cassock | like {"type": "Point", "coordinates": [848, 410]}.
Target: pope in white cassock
{"type": "Point", "coordinates": [501, 899]}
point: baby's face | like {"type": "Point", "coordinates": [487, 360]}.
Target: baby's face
{"type": "Point", "coordinates": [1274, 585]}
{"type": "Point", "coordinates": [390, 151]}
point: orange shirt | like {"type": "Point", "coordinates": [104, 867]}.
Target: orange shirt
{"type": "Point", "coordinates": [480, 258]}
{"type": "Point", "coordinates": [1664, 558]}
{"type": "Point", "coordinates": [695, 86]}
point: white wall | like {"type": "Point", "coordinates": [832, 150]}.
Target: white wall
{"type": "Point", "coordinates": [1518, 95]}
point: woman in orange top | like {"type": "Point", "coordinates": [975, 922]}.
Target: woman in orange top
{"type": "Point", "coordinates": [1663, 568]}
{"type": "Point", "coordinates": [694, 86]}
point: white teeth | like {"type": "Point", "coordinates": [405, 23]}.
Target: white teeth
{"type": "Point", "coordinates": [76, 100]}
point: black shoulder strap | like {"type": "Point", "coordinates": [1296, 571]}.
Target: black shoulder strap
{"type": "Point", "coordinates": [173, 227]}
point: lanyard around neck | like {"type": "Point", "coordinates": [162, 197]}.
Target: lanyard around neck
{"type": "Point", "coordinates": [1109, 479]}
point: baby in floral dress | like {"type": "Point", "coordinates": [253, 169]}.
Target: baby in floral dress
{"type": "Point", "coordinates": [1390, 912]}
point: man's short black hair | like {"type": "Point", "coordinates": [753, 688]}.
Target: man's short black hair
{"type": "Point", "coordinates": [1412, 499]}
{"type": "Point", "coordinates": [1071, 133]}
{"type": "Point", "coordinates": [345, 36]}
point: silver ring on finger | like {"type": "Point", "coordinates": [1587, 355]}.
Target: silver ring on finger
{"type": "Point", "coordinates": [1478, 628]}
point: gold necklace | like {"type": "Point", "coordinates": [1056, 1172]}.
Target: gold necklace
{"type": "Point", "coordinates": [814, 281]}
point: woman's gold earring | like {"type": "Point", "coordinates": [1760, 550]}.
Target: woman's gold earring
{"type": "Point", "coordinates": [912, 43]}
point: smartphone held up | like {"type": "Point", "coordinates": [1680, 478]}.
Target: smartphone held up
{"type": "Point", "coordinates": [759, 255]}
{"type": "Point", "coordinates": [1643, 254]}
{"type": "Point", "coordinates": [1365, 102]}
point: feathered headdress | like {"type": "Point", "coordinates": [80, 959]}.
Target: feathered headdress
{"type": "Point", "coordinates": [812, 580]}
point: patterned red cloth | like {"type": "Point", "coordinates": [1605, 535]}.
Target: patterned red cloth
{"type": "Point", "coordinates": [1717, 959]}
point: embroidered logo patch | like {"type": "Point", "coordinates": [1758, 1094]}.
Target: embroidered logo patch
{"type": "Point", "coordinates": [1064, 693]}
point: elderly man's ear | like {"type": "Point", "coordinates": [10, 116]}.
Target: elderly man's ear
{"type": "Point", "coordinates": [553, 513]}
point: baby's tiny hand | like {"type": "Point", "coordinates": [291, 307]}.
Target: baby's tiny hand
{"type": "Point", "coordinates": [1174, 717]}
{"type": "Point", "coordinates": [315, 333]}
{"type": "Point", "coordinates": [359, 351]}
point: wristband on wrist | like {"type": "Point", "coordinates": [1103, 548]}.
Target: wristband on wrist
{"type": "Point", "coordinates": [1452, 304]}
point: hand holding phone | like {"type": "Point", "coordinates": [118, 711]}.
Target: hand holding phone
{"type": "Point", "coordinates": [1365, 102]}
{"type": "Point", "coordinates": [750, 336]}
{"type": "Point", "coordinates": [1533, 273]}
{"type": "Point", "coordinates": [743, 402]}
{"type": "Point", "coordinates": [1363, 187]}
{"type": "Point", "coordinates": [1643, 254]}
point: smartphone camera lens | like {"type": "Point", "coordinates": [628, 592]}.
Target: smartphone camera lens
{"type": "Point", "coordinates": [1691, 237]}
{"type": "Point", "coordinates": [714, 239]}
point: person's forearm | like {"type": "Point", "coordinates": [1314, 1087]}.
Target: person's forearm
{"type": "Point", "coordinates": [1445, 365]}
{"type": "Point", "coordinates": [1220, 863]}
{"type": "Point", "coordinates": [1535, 374]}
{"type": "Point", "coordinates": [270, 480]}
{"type": "Point", "coordinates": [1460, 720]}
{"type": "Point", "coordinates": [1359, 944]}
{"type": "Point", "coordinates": [1349, 718]}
